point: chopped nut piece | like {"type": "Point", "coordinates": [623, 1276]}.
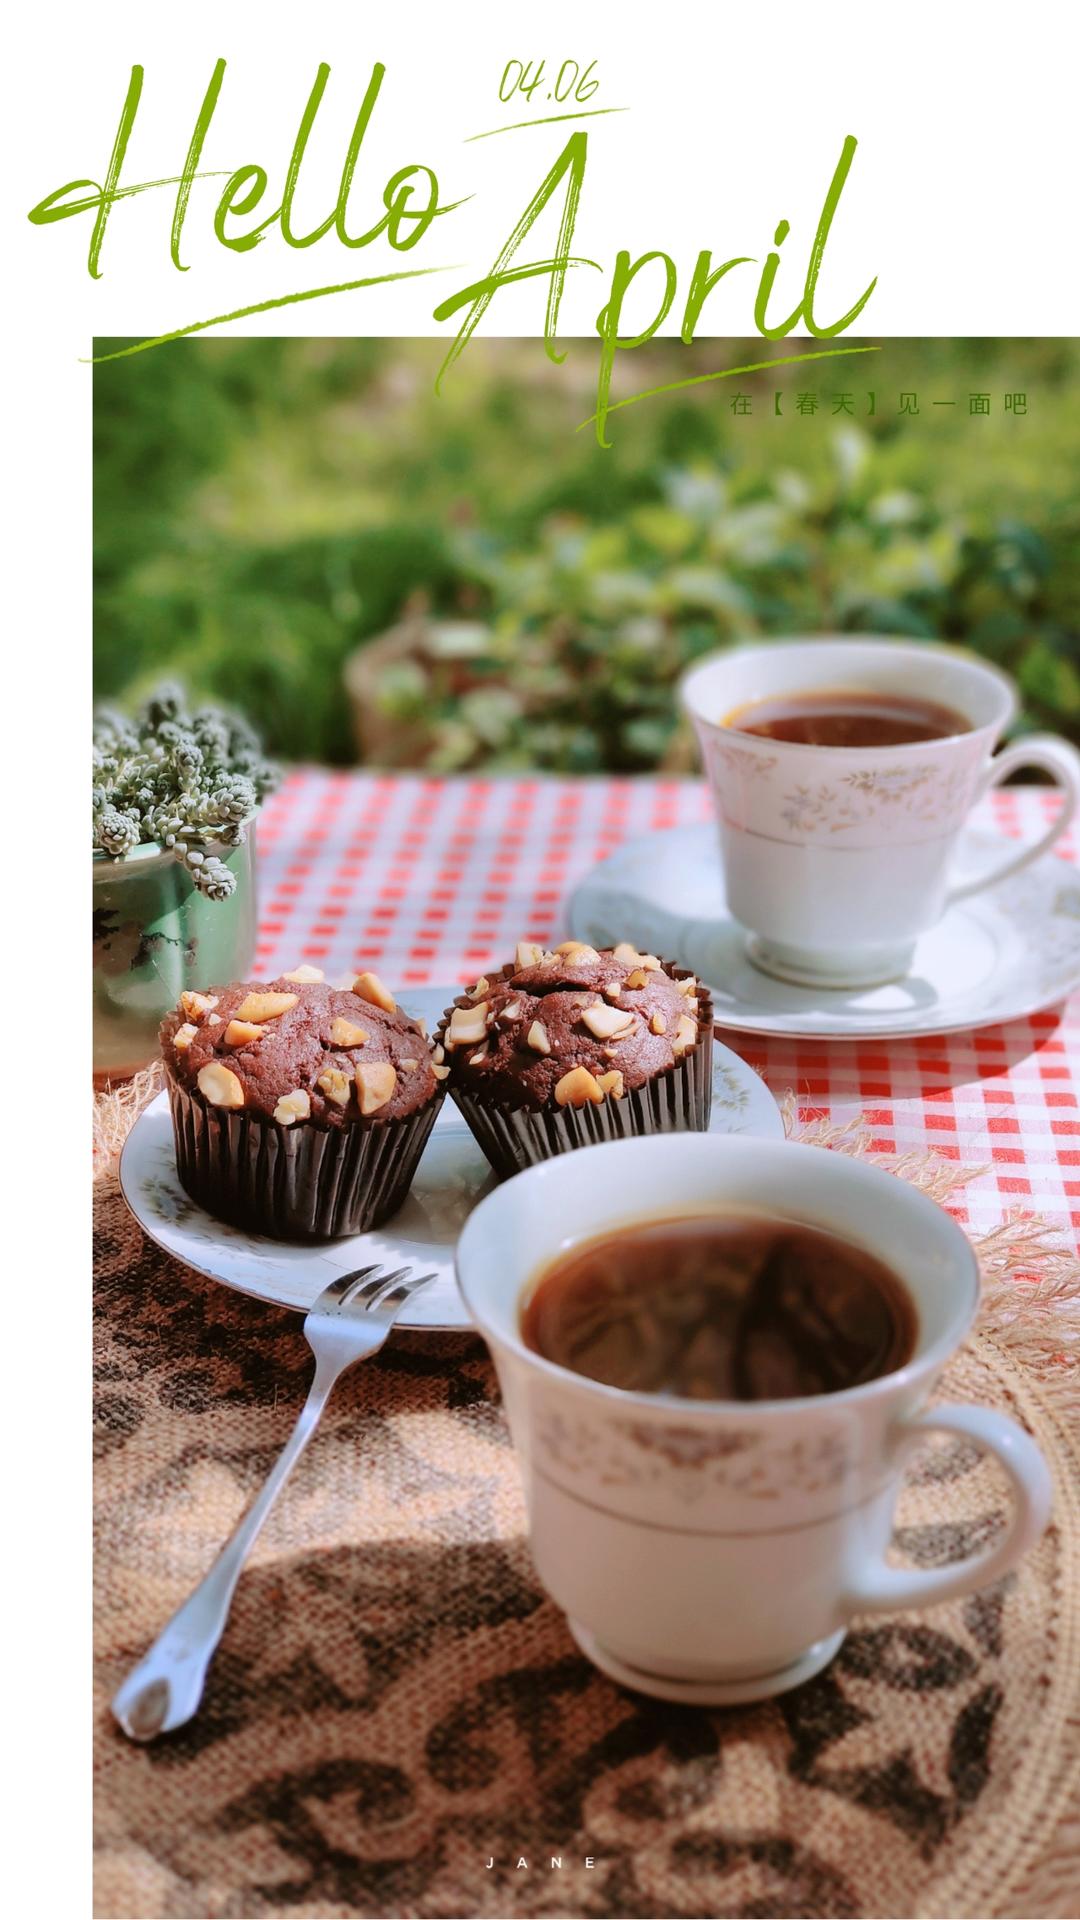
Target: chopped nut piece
{"type": "Point", "coordinates": [611, 1083]}
{"type": "Point", "coordinates": [528, 954]}
{"type": "Point", "coordinates": [638, 978]}
{"type": "Point", "coordinates": [195, 1005]}
{"type": "Point", "coordinates": [576, 950]}
{"type": "Point", "coordinates": [220, 1085]}
{"type": "Point", "coordinates": [475, 1058]}
{"type": "Point", "coordinates": [658, 1023]}
{"type": "Point", "coordinates": [375, 1083]}
{"type": "Point", "coordinates": [438, 1052]}
{"type": "Point", "coordinates": [293, 1106]}
{"type": "Point", "coordinates": [612, 993]}
{"type": "Point", "coordinates": [370, 988]}
{"type": "Point", "coordinates": [346, 1033]}
{"type": "Point", "coordinates": [607, 1022]}
{"type": "Point", "coordinates": [467, 1025]}
{"type": "Point", "coordinates": [305, 975]}
{"type": "Point", "coordinates": [410, 1065]}
{"type": "Point", "coordinates": [184, 1036]}
{"type": "Point", "coordinates": [537, 1039]}
{"type": "Point", "coordinates": [628, 956]}
{"type": "Point", "coordinates": [238, 1033]}
{"type": "Point", "coordinates": [213, 1019]}
{"type": "Point", "coordinates": [265, 1006]}
{"type": "Point", "coordinates": [441, 1073]}
{"type": "Point", "coordinates": [336, 1085]}
{"type": "Point", "coordinates": [510, 1012]}
{"type": "Point", "coordinates": [577, 1087]}
{"type": "Point", "coordinates": [481, 989]}
{"type": "Point", "coordinates": [687, 986]}
{"type": "Point", "coordinates": [421, 1025]}
{"type": "Point", "coordinates": [685, 1034]}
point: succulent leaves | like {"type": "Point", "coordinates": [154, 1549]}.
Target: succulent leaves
{"type": "Point", "coordinates": [189, 780]}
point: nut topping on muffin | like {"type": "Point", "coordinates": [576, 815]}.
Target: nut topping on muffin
{"type": "Point", "coordinates": [607, 1022]}
{"type": "Point", "coordinates": [196, 1005]}
{"type": "Point", "coordinates": [685, 1034]}
{"type": "Point", "coordinates": [346, 1033]}
{"type": "Point", "coordinates": [576, 1087]}
{"type": "Point", "coordinates": [239, 1033]}
{"type": "Point", "coordinates": [375, 1083]}
{"type": "Point", "coordinates": [467, 1025]}
{"type": "Point", "coordinates": [219, 1085]}
{"type": "Point", "coordinates": [368, 986]}
{"type": "Point", "coordinates": [265, 1006]}
{"type": "Point", "coordinates": [277, 1041]}
{"type": "Point", "coordinates": [336, 1085]}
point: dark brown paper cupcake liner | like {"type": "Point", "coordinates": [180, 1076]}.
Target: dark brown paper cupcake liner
{"type": "Point", "coordinates": [679, 1100]}
{"type": "Point", "coordinates": [297, 1183]}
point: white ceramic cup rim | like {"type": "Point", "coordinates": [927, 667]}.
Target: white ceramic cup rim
{"type": "Point", "coordinates": [917, 653]}
{"type": "Point", "coordinates": [923, 1363]}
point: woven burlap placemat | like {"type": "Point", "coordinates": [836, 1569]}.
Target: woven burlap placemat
{"type": "Point", "coordinates": [395, 1702]}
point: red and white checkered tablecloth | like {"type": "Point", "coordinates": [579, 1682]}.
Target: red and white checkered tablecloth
{"type": "Point", "coordinates": [431, 881]}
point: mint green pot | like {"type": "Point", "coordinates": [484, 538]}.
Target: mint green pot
{"type": "Point", "coordinates": [155, 934]}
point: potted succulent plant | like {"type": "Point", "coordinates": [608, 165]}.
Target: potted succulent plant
{"type": "Point", "coordinates": [174, 803]}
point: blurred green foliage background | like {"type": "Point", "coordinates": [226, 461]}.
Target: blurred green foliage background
{"type": "Point", "coordinates": [262, 508]}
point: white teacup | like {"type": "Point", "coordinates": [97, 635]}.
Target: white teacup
{"type": "Point", "coordinates": [716, 1551]}
{"type": "Point", "coordinates": [837, 858]}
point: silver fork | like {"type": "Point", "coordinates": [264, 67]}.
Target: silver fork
{"type": "Point", "coordinates": [349, 1321]}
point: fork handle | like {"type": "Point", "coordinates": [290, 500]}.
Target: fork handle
{"type": "Point", "coordinates": [165, 1689]}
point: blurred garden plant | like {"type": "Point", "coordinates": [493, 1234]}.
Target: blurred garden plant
{"type": "Point", "coordinates": [519, 599]}
{"type": "Point", "coordinates": [591, 626]}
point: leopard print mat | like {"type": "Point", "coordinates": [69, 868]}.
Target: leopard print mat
{"type": "Point", "coordinates": [396, 1704]}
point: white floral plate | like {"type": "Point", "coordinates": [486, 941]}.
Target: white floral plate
{"type": "Point", "coordinates": [451, 1177]}
{"type": "Point", "coordinates": [996, 956]}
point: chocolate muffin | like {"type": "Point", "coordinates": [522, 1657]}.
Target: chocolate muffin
{"type": "Point", "coordinates": [299, 1110]}
{"type": "Point", "coordinates": [562, 1049]}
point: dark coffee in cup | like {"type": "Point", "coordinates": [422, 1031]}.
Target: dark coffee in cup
{"type": "Point", "coordinates": [723, 1307]}
{"type": "Point", "coordinates": [847, 717]}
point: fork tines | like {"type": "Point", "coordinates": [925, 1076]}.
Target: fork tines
{"type": "Point", "coordinates": [370, 1287]}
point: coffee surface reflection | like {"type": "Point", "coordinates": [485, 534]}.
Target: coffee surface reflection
{"type": "Point", "coordinates": [722, 1307]}
{"type": "Point", "coordinates": [847, 717]}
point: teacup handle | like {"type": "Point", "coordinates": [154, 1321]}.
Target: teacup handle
{"type": "Point", "coordinates": [1058, 759]}
{"type": "Point", "coordinates": [884, 1588]}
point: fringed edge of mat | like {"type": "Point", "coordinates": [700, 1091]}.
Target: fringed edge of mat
{"type": "Point", "coordinates": [115, 1113]}
{"type": "Point", "coordinates": [1030, 1273]}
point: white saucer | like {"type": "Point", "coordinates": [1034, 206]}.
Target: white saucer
{"type": "Point", "coordinates": [451, 1177]}
{"type": "Point", "coordinates": [997, 956]}
{"type": "Point", "coordinates": [708, 1693]}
